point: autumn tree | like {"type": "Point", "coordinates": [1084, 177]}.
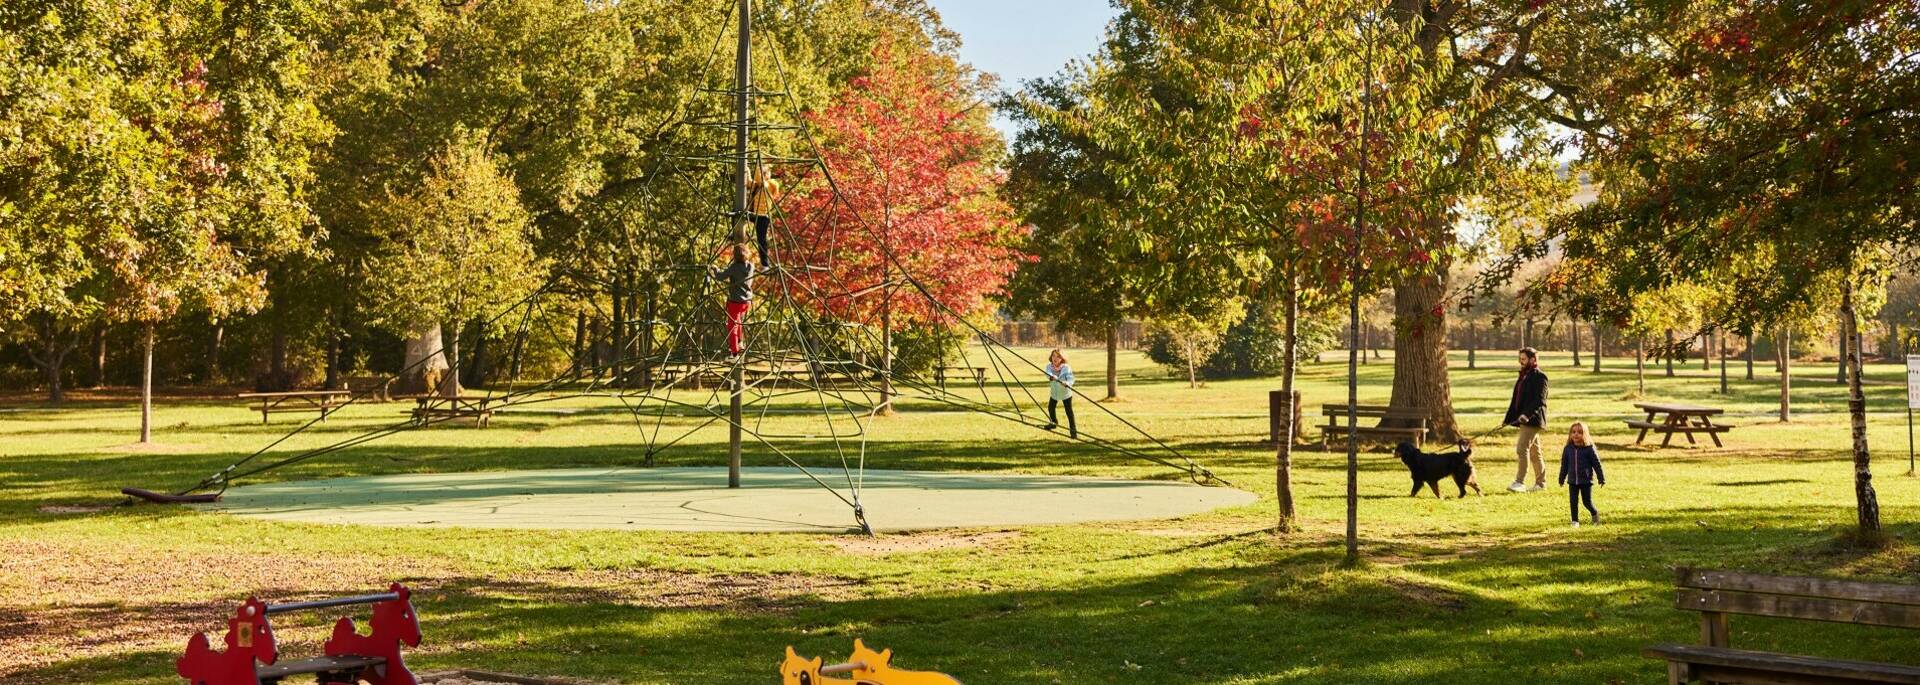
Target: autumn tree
{"type": "Point", "coordinates": [912, 212]}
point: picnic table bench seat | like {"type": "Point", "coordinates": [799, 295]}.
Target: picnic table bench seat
{"type": "Point", "coordinates": [1718, 594]}
{"type": "Point", "coordinates": [1336, 426]}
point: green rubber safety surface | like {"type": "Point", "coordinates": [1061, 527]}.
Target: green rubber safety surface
{"type": "Point", "coordinates": [697, 499]}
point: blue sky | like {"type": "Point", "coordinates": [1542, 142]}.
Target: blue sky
{"type": "Point", "coordinates": [1024, 39]}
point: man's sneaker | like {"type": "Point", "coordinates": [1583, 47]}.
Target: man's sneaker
{"type": "Point", "coordinates": [1536, 488]}
{"type": "Point", "coordinates": [1576, 524]}
{"type": "Point", "coordinates": [1517, 486]}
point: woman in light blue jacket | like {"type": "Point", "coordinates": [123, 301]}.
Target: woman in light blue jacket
{"type": "Point", "coordinates": [1060, 391]}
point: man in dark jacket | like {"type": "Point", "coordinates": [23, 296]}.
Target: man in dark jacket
{"type": "Point", "coordinates": [1528, 411]}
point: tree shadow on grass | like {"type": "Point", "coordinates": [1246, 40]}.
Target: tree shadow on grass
{"type": "Point", "coordinates": [1563, 610]}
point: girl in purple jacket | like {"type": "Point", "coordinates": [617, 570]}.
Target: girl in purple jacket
{"type": "Point", "coordinates": [1579, 470]}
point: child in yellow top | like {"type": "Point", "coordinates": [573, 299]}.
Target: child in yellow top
{"type": "Point", "coordinates": [763, 191]}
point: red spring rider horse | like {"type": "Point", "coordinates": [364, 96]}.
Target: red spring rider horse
{"type": "Point", "coordinates": [394, 624]}
{"type": "Point", "coordinates": [249, 639]}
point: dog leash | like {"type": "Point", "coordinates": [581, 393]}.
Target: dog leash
{"type": "Point", "coordinates": [1496, 429]}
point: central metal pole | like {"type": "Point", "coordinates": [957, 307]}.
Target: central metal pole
{"type": "Point", "coordinates": [743, 123]}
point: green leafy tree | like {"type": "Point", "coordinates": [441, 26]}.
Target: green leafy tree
{"type": "Point", "coordinates": [1765, 149]}
{"type": "Point", "coordinates": [459, 247]}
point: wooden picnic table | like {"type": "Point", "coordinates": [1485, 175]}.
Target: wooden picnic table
{"type": "Point", "coordinates": [977, 373]}
{"type": "Point", "coordinates": [431, 406]}
{"type": "Point", "coordinates": [1685, 419]}
{"type": "Point", "coordinates": [323, 401]}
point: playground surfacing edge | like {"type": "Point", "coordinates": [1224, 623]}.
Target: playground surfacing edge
{"type": "Point", "coordinates": [697, 500]}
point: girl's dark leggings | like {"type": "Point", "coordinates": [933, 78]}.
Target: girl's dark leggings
{"type": "Point", "coordinates": [1053, 415]}
{"type": "Point", "coordinates": [761, 223]}
{"type": "Point", "coordinates": [1578, 495]}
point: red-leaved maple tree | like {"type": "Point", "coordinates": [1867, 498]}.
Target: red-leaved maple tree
{"type": "Point", "coordinates": [910, 156]}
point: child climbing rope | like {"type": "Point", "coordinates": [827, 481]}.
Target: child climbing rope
{"type": "Point", "coordinates": [762, 193]}
{"type": "Point", "coordinates": [739, 277]}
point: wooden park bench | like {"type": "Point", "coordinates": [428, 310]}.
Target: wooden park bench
{"type": "Point", "coordinates": [976, 374]}
{"type": "Point", "coordinates": [1684, 419]}
{"type": "Point", "coordinates": [1336, 427]}
{"type": "Point", "coordinates": [323, 401]}
{"type": "Point", "coordinates": [432, 409]}
{"type": "Point", "coordinates": [1716, 594]}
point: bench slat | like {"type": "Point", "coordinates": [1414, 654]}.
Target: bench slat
{"type": "Point", "coordinates": [1891, 593]}
{"type": "Point", "coordinates": [325, 664]}
{"type": "Point", "coordinates": [1806, 608]}
{"type": "Point", "coordinates": [1816, 669]}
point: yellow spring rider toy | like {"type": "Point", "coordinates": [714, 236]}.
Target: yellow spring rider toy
{"type": "Point", "coordinates": [867, 667]}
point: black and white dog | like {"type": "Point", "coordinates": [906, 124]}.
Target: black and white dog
{"type": "Point", "coordinates": [1427, 468]}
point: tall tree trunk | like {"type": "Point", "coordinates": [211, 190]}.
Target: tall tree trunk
{"type": "Point", "coordinates": [1366, 342]}
{"type": "Point", "coordinates": [1785, 354]}
{"type": "Point", "coordinates": [146, 383]}
{"type": "Point", "coordinates": [886, 346]}
{"type": "Point", "coordinates": [477, 366]}
{"type": "Point", "coordinates": [1526, 334]}
{"type": "Point", "coordinates": [1850, 339]}
{"type": "Point", "coordinates": [52, 356]}
{"type": "Point", "coordinates": [1193, 378]}
{"type": "Point", "coordinates": [596, 347]}
{"type": "Point", "coordinates": [1113, 362]}
{"type": "Point", "coordinates": [424, 366]}
{"type": "Point", "coordinates": [333, 381]}
{"type": "Point", "coordinates": [450, 352]}
{"type": "Point", "coordinates": [1747, 341]}
{"type": "Point", "coordinates": [1353, 435]}
{"type": "Point", "coordinates": [1669, 355]}
{"type": "Point", "coordinates": [646, 337]}
{"type": "Point", "coordinates": [1283, 456]}
{"type": "Point", "coordinates": [1473, 344]}
{"type": "Point", "coordinates": [1640, 365]}
{"type": "Point", "coordinates": [213, 352]}
{"type": "Point", "coordinates": [1840, 373]}
{"type": "Point", "coordinates": [1706, 351]}
{"type": "Point", "coordinates": [1573, 331]}
{"type": "Point", "coordinates": [99, 356]}
{"type": "Point", "coordinates": [1780, 345]}
{"type": "Point", "coordinates": [617, 332]}
{"type": "Point", "coordinates": [579, 341]}
{"type": "Point", "coordinates": [1420, 354]}
{"type": "Point", "coordinates": [277, 379]}
{"type": "Point", "coordinates": [1598, 350]}
{"type": "Point", "coordinates": [1721, 336]}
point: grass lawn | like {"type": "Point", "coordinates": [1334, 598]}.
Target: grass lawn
{"type": "Point", "coordinates": [1484, 590]}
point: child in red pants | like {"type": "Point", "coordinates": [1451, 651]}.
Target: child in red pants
{"type": "Point", "coordinates": [739, 278]}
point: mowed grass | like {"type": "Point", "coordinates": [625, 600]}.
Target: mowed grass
{"type": "Point", "coordinates": [1494, 589]}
